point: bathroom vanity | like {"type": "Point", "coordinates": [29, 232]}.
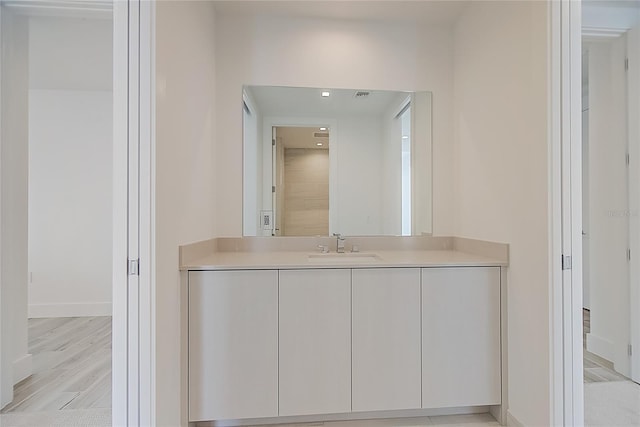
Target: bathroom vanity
{"type": "Point", "coordinates": [280, 332]}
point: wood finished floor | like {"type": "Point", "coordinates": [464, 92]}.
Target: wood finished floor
{"type": "Point", "coordinates": [596, 369]}
{"type": "Point", "coordinates": [71, 366]}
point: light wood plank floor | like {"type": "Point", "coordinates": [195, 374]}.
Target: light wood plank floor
{"type": "Point", "coordinates": [71, 366]}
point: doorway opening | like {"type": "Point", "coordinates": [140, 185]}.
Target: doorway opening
{"type": "Point", "coordinates": [610, 194]}
{"type": "Point", "coordinates": [301, 190]}
{"type": "Point", "coordinates": [57, 148]}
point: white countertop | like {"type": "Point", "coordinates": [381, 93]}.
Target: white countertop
{"type": "Point", "coordinates": [272, 260]}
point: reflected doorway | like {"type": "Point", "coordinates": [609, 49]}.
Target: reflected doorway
{"type": "Point", "coordinates": [301, 190]}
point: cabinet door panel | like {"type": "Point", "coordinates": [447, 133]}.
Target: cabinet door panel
{"type": "Point", "coordinates": [386, 339]}
{"type": "Point", "coordinates": [233, 335]}
{"type": "Point", "coordinates": [461, 336]}
{"type": "Point", "coordinates": [315, 341]}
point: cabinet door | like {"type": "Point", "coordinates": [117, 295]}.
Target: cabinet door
{"type": "Point", "coordinates": [386, 339]}
{"type": "Point", "coordinates": [315, 342]}
{"type": "Point", "coordinates": [233, 336]}
{"type": "Point", "coordinates": [460, 336]}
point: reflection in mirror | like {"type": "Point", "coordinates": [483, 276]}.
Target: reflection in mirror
{"type": "Point", "coordinates": [301, 181]}
{"type": "Point", "coordinates": [324, 161]}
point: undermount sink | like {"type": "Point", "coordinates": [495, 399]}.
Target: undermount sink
{"type": "Point", "coordinates": [347, 257]}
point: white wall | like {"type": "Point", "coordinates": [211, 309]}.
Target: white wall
{"type": "Point", "coordinates": [501, 176]}
{"type": "Point", "coordinates": [609, 16]}
{"type": "Point", "coordinates": [70, 53]}
{"type": "Point", "coordinates": [70, 175]}
{"type": "Point", "coordinates": [184, 193]}
{"type": "Point", "coordinates": [16, 363]}
{"type": "Point", "coordinates": [421, 125]}
{"type": "Point", "coordinates": [359, 159]}
{"type": "Point", "coordinates": [608, 204]}
{"type": "Point", "coordinates": [586, 282]}
{"type": "Point", "coordinates": [328, 53]}
{"type": "Point", "coordinates": [70, 166]}
{"type": "Point", "coordinates": [252, 165]}
{"type": "Point", "coordinates": [392, 170]}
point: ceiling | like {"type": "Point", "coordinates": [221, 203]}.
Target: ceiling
{"type": "Point", "coordinates": [423, 11]}
{"type": "Point", "coordinates": [612, 3]}
{"type": "Point", "coordinates": [308, 102]}
{"type": "Point", "coordinates": [63, 8]}
{"type": "Point", "coordinates": [301, 137]}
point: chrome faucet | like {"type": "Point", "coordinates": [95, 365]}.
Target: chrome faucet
{"type": "Point", "coordinates": [339, 243]}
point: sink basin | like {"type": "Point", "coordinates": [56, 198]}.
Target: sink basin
{"type": "Point", "coordinates": [347, 257]}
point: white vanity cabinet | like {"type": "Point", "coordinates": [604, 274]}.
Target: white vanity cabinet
{"type": "Point", "coordinates": [461, 337]}
{"type": "Point", "coordinates": [233, 344]}
{"type": "Point", "coordinates": [386, 339]}
{"type": "Point", "coordinates": [305, 342]}
{"type": "Point", "coordinates": [315, 341]}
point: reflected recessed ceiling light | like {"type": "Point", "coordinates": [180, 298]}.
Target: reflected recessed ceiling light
{"type": "Point", "coordinates": [323, 128]}
{"type": "Point", "coordinates": [319, 144]}
{"type": "Point", "coordinates": [325, 93]}
{"type": "Point", "coordinates": [405, 137]}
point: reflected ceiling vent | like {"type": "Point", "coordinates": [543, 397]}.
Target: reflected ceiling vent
{"type": "Point", "coordinates": [321, 134]}
{"type": "Point", "coordinates": [361, 94]}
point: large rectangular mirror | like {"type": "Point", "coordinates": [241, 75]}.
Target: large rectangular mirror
{"type": "Point", "coordinates": [319, 161]}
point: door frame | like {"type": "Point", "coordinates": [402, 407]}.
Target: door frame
{"type": "Point", "coordinates": [271, 122]}
{"type": "Point", "coordinates": [633, 134]}
{"type": "Point", "coordinates": [6, 372]}
{"type": "Point", "coordinates": [565, 196]}
{"type": "Point", "coordinates": [133, 396]}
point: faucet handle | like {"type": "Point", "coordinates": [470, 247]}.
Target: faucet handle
{"type": "Point", "coordinates": [323, 248]}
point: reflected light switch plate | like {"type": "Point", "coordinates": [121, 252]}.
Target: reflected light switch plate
{"type": "Point", "coordinates": [266, 220]}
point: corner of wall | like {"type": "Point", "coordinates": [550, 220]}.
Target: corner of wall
{"type": "Point", "coordinates": [22, 368]}
{"type": "Point", "coordinates": [512, 421]}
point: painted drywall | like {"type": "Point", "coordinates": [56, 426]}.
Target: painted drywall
{"type": "Point", "coordinates": [602, 15]}
{"type": "Point", "coordinates": [291, 51]}
{"type": "Point", "coordinates": [70, 53]}
{"type": "Point", "coordinates": [391, 171]}
{"type": "Point", "coordinates": [357, 153]}
{"type": "Point", "coordinates": [502, 176]}
{"type": "Point", "coordinates": [252, 167]}
{"type": "Point", "coordinates": [360, 154]}
{"type": "Point", "coordinates": [70, 203]}
{"type": "Point", "coordinates": [184, 190]}
{"type": "Point", "coordinates": [70, 166]}
{"type": "Point", "coordinates": [16, 362]}
{"type": "Point", "coordinates": [586, 278]}
{"type": "Point", "coordinates": [608, 226]}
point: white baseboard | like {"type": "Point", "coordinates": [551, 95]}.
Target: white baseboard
{"type": "Point", "coordinates": [513, 421]}
{"type": "Point", "coordinates": [70, 310]}
{"type": "Point", "coordinates": [22, 368]}
{"type": "Point", "coordinates": [349, 416]}
{"type": "Point", "coordinates": [600, 347]}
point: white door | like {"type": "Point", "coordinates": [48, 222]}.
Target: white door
{"type": "Point", "coordinates": [386, 339]}
{"type": "Point", "coordinates": [315, 342]}
{"type": "Point", "coordinates": [461, 361]}
{"type": "Point", "coordinates": [132, 366]}
{"type": "Point", "coordinates": [233, 345]}
{"type": "Point", "coordinates": [586, 301]}
{"type": "Point", "coordinates": [633, 89]}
